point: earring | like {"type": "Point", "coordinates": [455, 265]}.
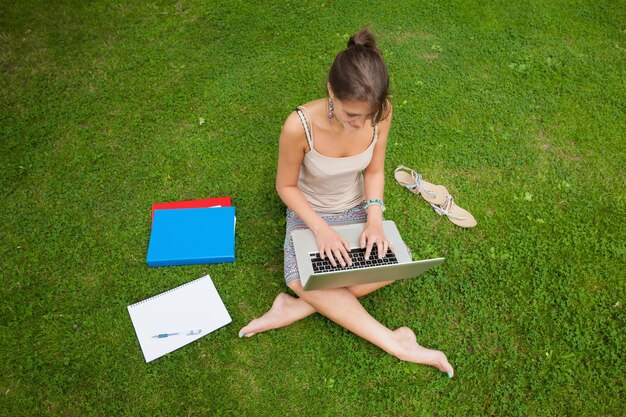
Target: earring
{"type": "Point", "coordinates": [331, 108]}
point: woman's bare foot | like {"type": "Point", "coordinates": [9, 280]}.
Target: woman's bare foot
{"type": "Point", "coordinates": [410, 351]}
{"type": "Point", "coordinates": [285, 310]}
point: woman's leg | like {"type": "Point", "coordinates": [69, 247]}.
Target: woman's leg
{"type": "Point", "coordinates": [341, 306]}
{"type": "Point", "coordinates": [287, 310]}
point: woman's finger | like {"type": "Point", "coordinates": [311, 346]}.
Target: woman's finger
{"type": "Point", "coordinates": [362, 240]}
{"type": "Point", "coordinates": [385, 248]}
{"type": "Point", "coordinates": [345, 252]}
{"type": "Point", "coordinates": [331, 257]}
{"type": "Point", "coordinates": [368, 249]}
{"type": "Point", "coordinates": [339, 257]}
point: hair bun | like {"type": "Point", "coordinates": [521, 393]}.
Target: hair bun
{"type": "Point", "coordinates": [363, 38]}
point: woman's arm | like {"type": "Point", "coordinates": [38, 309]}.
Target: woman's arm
{"type": "Point", "coordinates": [374, 190]}
{"type": "Point", "coordinates": [292, 146]}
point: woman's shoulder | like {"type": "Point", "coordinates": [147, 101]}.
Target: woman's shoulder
{"type": "Point", "coordinates": [293, 124]}
{"type": "Point", "coordinates": [292, 136]}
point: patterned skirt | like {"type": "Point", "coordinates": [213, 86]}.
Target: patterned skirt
{"type": "Point", "coordinates": [354, 215]}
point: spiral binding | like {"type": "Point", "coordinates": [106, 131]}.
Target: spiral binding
{"type": "Point", "coordinates": [168, 291]}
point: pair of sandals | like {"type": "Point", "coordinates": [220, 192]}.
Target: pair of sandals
{"type": "Point", "coordinates": [436, 195]}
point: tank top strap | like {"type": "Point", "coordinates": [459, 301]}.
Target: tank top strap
{"type": "Point", "coordinates": [305, 123]}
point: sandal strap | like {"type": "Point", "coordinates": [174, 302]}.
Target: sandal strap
{"type": "Point", "coordinates": [416, 177]}
{"type": "Point", "coordinates": [418, 181]}
{"type": "Point", "coordinates": [444, 209]}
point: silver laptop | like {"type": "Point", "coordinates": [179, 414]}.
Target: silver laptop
{"type": "Point", "coordinates": [316, 273]}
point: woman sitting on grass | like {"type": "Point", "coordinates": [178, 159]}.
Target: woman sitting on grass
{"type": "Point", "coordinates": [324, 148]}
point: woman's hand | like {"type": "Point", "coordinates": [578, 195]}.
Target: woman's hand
{"type": "Point", "coordinates": [332, 245]}
{"type": "Point", "coordinates": [374, 235]}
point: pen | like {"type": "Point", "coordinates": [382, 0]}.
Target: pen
{"type": "Point", "coordinates": [189, 333]}
{"type": "Point", "coordinates": [162, 335]}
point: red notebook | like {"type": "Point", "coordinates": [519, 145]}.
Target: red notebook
{"type": "Point", "coordinates": [204, 203]}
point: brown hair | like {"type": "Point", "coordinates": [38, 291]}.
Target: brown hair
{"type": "Point", "coordinates": [360, 74]}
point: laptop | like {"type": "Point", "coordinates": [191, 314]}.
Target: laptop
{"type": "Point", "coordinates": [316, 273]}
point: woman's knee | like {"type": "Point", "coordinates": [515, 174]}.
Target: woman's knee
{"type": "Point", "coordinates": [295, 286]}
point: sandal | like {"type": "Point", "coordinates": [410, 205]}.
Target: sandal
{"type": "Point", "coordinates": [456, 214]}
{"type": "Point", "coordinates": [412, 181]}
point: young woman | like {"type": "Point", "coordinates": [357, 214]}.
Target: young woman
{"type": "Point", "coordinates": [331, 171]}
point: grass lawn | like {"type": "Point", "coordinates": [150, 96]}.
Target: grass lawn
{"type": "Point", "coordinates": [516, 107]}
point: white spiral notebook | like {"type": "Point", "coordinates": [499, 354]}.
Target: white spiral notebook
{"type": "Point", "coordinates": [175, 318]}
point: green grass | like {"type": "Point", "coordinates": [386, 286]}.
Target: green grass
{"type": "Point", "coordinates": [517, 107]}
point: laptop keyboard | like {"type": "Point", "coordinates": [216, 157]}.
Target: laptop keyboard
{"type": "Point", "coordinates": [357, 256]}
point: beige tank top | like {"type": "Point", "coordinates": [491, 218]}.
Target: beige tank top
{"type": "Point", "coordinates": [332, 184]}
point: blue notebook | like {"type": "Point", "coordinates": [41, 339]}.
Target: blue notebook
{"type": "Point", "coordinates": [192, 236]}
